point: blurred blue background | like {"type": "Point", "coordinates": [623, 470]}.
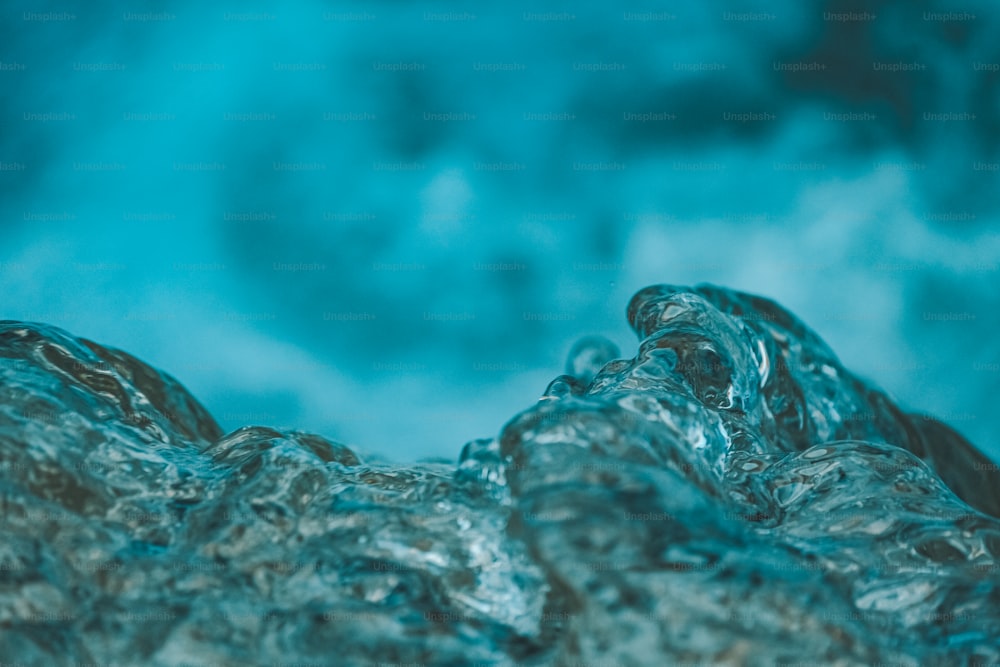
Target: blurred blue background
{"type": "Point", "coordinates": [388, 223]}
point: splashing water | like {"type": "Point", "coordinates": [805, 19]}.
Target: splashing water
{"type": "Point", "coordinates": [729, 495]}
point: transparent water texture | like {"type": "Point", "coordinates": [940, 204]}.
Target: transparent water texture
{"type": "Point", "coordinates": [730, 495]}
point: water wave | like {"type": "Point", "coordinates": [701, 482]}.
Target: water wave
{"type": "Point", "coordinates": [729, 495]}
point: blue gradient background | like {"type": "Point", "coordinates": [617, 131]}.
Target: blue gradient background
{"type": "Point", "coordinates": [388, 224]}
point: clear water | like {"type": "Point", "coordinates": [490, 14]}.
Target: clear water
{"type": "Point", "coordinates": [729, 495]}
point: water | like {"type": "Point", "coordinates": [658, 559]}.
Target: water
{"type": "Point", "coordinates": [729, 495]}
{"type": "Point", "coordinates": [235, 279]}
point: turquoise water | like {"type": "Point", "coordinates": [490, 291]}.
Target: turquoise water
{"type": "Point", "coordinates": [298, 207]}
{"type": "Point", "coordinates": [730, 494]}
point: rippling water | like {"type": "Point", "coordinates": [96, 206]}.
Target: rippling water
{"type": "Point", "coordinates": [731, 494]}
